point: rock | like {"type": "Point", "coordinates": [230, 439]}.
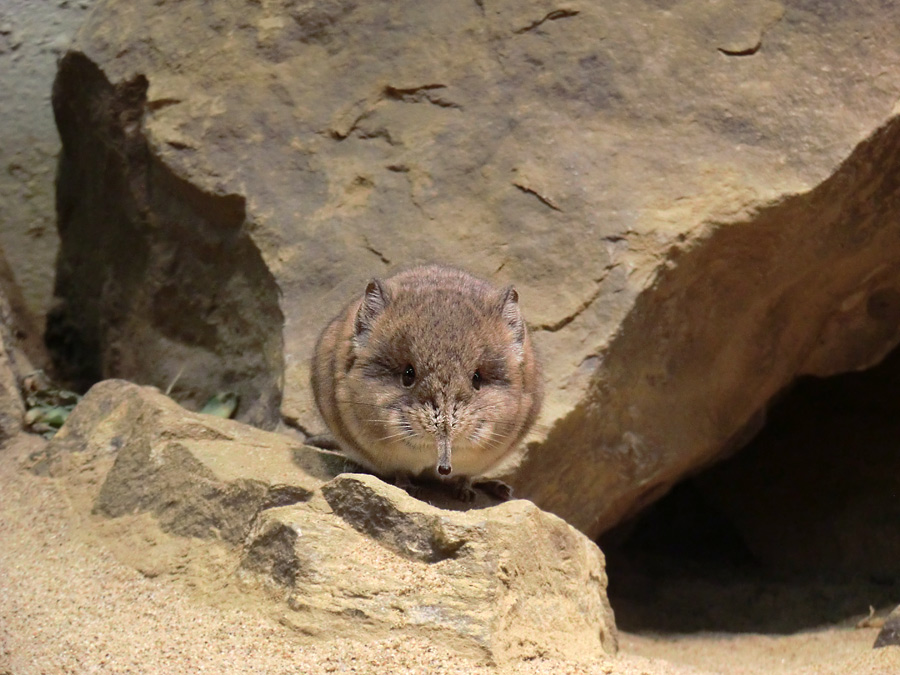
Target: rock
{"type": "Point", "coordinates": [399, 524]}
{"type": "Point", "coordinates": [12, 408]}
{"type": "Point", "coordinates": [14, 361]}
{"type": "Point", "coordinates": [351, 555]}
{"type": "Point", "coordinates": [201, 476]}
{"type": "Point", "coordinates": [20, 350]}
{"type": "Point", "coordinates": [889, 635]}
{"type": "Point", "coordinates": [695, 203]}
{"type": "Point", "coordinates": [29, 148]}
{"type": "Point", "coordinates": [503, 583]}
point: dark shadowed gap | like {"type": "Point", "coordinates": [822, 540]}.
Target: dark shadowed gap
{"type": "Point", "coordinates": [157, 281]}
{"type": "Point", "coordinates": [799, 529]}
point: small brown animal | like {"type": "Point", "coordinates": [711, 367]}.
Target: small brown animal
{"type": "Point", "coordinates": [431, 372]}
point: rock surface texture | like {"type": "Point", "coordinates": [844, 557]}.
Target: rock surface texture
{"type": "Point", "coordinates": [508, 582]}
{"type": "Point", "coordinates": [343, 555]}
{"type": "Point", "coordinates": [14, 365]}
{"type": "Point", "coordinates": [889, 636]}
{"type": "Point", "coordinates": [697, 201]}
{"type": "Point", "coordinates": [33, 36]}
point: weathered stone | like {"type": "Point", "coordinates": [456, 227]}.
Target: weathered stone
{"type": "Point", "coordinates": [404, 526]}
{"type": "Point", "coordinates": [33, 37]}
{"type": "Point", "coordinates": [889, 635]}
{"type": "Point", "coordinates": [806, 286]}
{"type": "Point", "coordinates": [674, 190]}
{"type": "Point", "coordinates": [14, 364]}
{"type": "Point", "coordinates": [506, 582]}
{"type": "Point", "coordinates": [201, 476]}
{"type": "Point", "coordinates": [357, 557]}
{"type": "Point", "coordinates": [12, 409]}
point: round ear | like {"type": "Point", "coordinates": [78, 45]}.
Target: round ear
{"type": "Point", "coordinates": [512, 315]}
{"type": "Point", "coordinates": [373, 304]}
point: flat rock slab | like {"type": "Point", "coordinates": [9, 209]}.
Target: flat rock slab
{"type": "Point", "coordinates": [346, 554]}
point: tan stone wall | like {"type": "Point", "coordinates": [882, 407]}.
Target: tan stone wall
{"type": "Point", "coordinates": [33, 35]}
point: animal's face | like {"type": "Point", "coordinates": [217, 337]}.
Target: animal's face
{"type": "Point", "coordinates": [438, 378]}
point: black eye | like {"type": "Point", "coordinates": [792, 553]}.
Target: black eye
{"type": "Point", "coordinates": [476, 380]}
{"type": "Point", "coordinates": [408, 377]}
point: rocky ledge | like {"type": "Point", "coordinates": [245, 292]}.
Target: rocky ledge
{"type": "Point", "coordinates": [343, 554]}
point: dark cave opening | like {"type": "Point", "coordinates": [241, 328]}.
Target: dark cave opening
{"type": "Point", "coordinates": [799, 529]}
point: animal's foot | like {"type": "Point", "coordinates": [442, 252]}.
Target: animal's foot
{"type": "Point", "coordinates": [404, 482]}
{"type": "Point", "coordinates": [463, 489]}
{"type": "Point", "coordinates": [496, 488]}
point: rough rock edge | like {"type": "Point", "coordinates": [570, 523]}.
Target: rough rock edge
{"type": "Point", "coordinates": [793, 327]}
{"type": "Point", "coordinates": [165, 463]}
{"type": "Point", "coordinates": [506, 583]}
{"type": "Point", "coordinates": [889, 635]}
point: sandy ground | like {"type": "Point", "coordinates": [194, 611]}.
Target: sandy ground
{"type": "Point", "coordinates": [68, 606]}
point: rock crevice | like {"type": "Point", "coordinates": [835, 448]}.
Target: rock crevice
{"type": "Point", "coordinates": [152, 266]}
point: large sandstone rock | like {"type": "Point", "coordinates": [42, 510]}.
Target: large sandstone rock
{"type": "Point", "coordinates": [507, 582]}
{"type": "Point", "coordinates": [696, 200]}
{"type": "Point", "coordinates": [347, 555]}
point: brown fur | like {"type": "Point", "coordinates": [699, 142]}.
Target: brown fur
{"type": "Point", "coordinates": [445, 324]}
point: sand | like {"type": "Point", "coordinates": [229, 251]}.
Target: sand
{"type": "Point", "coordinates": [68, 605]}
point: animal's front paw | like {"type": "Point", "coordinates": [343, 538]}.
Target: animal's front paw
{"type": "Point", "coordinates": [404, 482]}
{"type": "Point", "coordinates": [496, 488]}
{"type": "Point", "coordinates": [463, 489]}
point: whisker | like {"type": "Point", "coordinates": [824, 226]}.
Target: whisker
{"type": "Point", "coordinates": [371, 405]}
{"type": "Point", "coordinates": [492, 445]}
{"type": "Point", "coordinates": [515, 423]}
{"type": "Point", "coordinates": [492, 432]}
{"type": "Point", "coordinates": [494, 439]}
{"type": "Point", "coordinates": [404, 434]}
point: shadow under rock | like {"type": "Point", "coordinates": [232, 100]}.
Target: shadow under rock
{"type": "Point", "coordinates": [798, 530]}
